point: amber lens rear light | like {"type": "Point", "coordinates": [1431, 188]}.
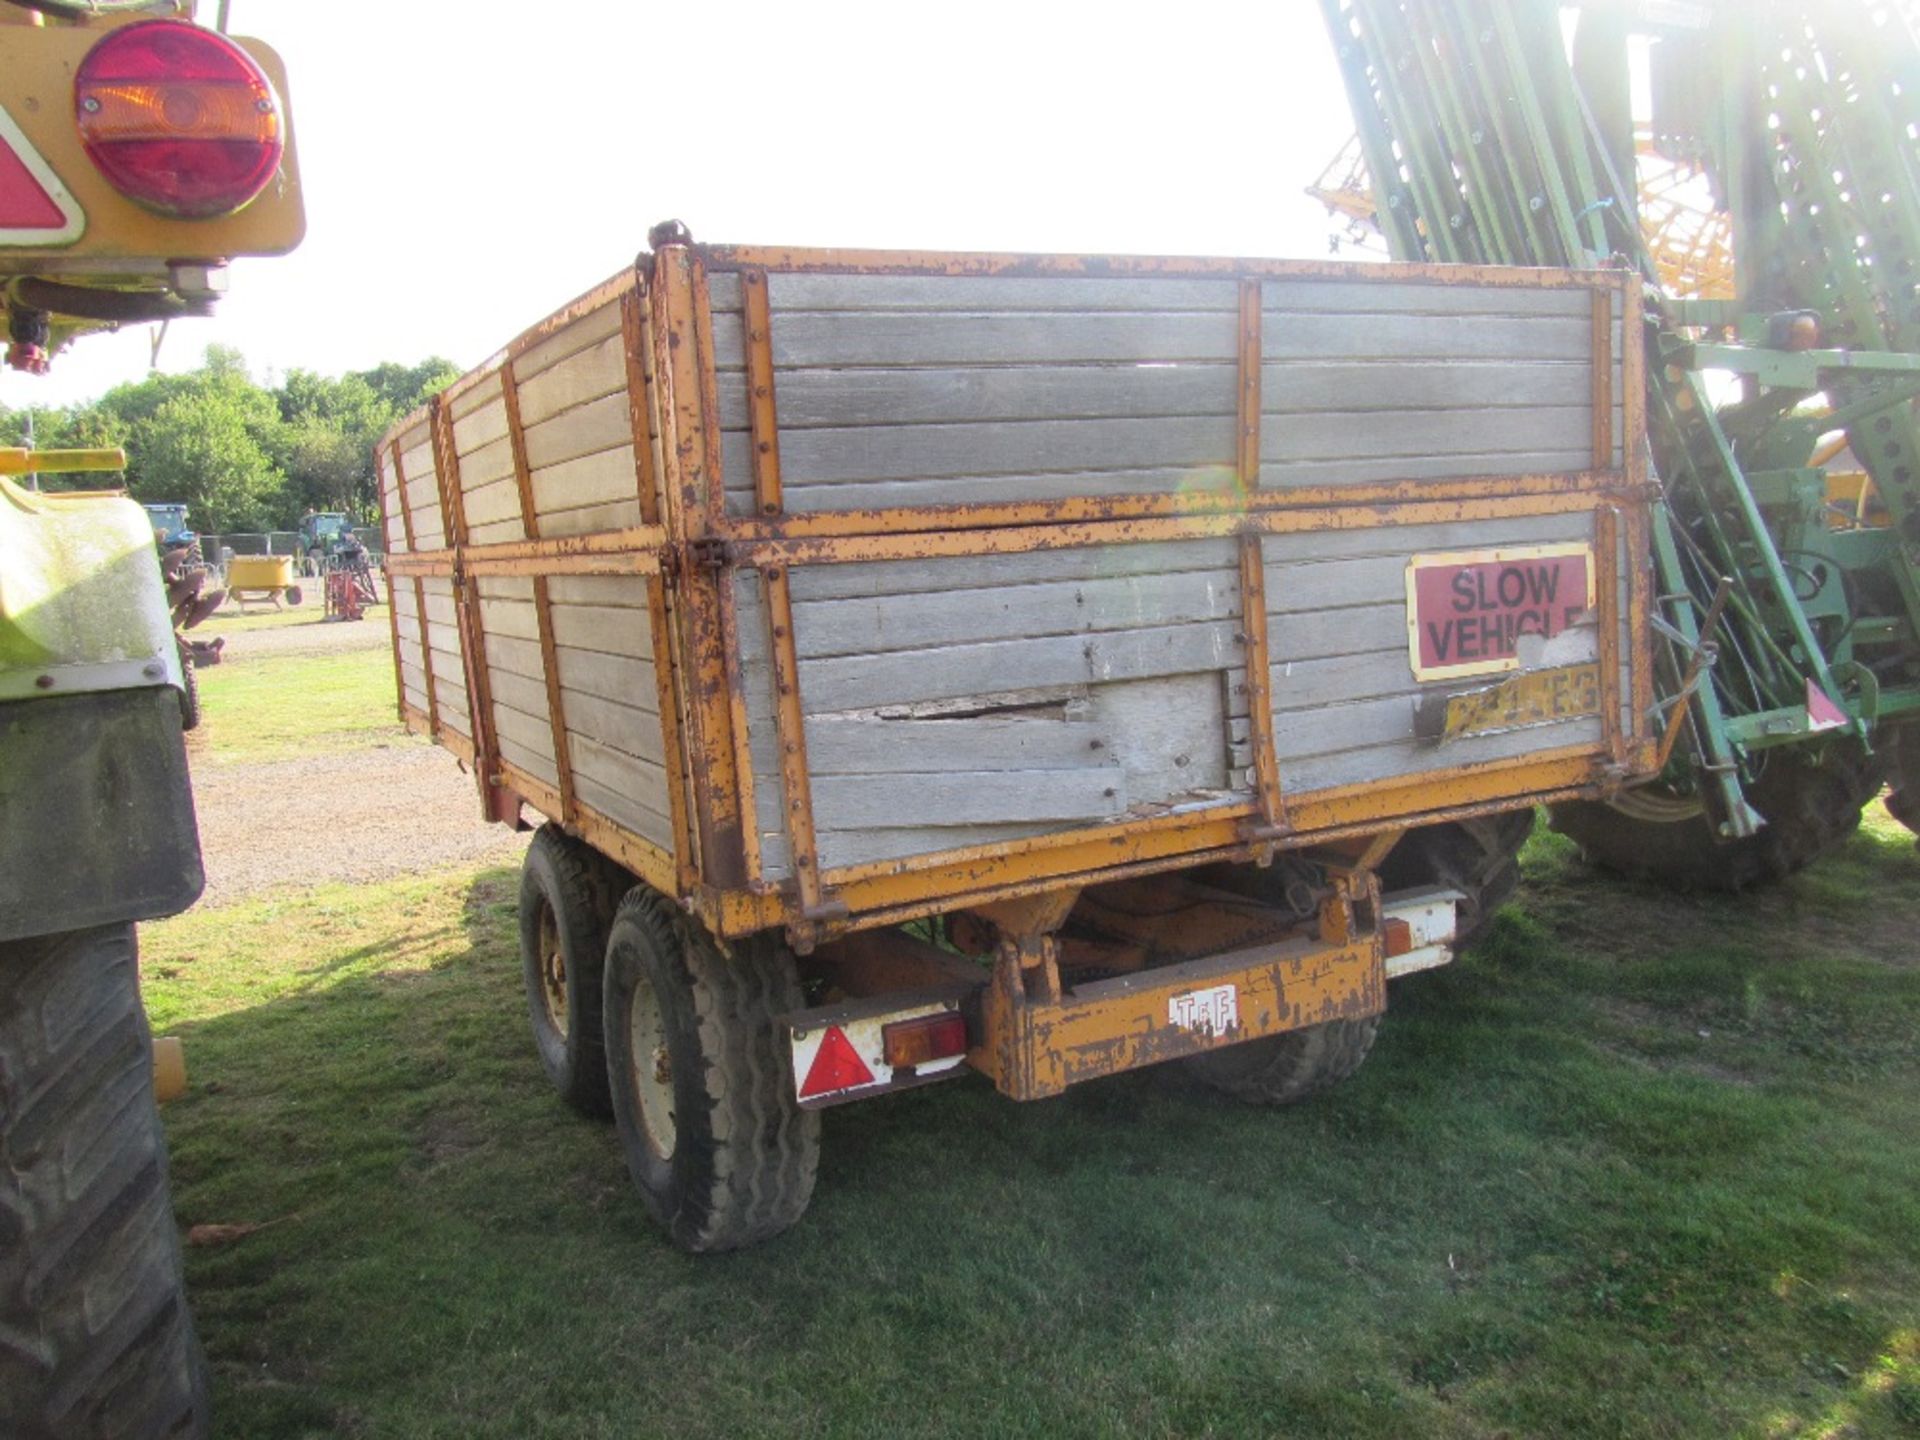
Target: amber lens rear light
{"type": "Point", "coordinates": [178, 119]}
{"type": "Point", "coordinates": [924, 1039]}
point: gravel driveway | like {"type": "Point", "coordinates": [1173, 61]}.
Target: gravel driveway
{"type": "Point", "coordinates": [397, 807]}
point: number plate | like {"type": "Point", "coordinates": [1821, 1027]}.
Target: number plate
{"type": "Point", "coordinates": [1471, 613]}
{"type": "Point", "coordinates": [1535, 697]}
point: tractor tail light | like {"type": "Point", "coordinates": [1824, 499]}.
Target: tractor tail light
{"type": "Point", "coordinates": [925, 1039]}
{"type": "Point", "coordinates": [178, 119]}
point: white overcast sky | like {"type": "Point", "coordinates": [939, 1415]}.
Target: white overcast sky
{"type": "Point", "coordinates": [470, 166]}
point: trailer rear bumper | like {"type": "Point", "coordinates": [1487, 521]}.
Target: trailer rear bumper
{"type": "Point", "coordinates": [1033, 1047]}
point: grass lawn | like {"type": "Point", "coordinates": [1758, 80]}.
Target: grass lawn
{"type": "Point", "coordinates": [1642, 1166]}
{"type": "Point", "coordinates": [283, 707]}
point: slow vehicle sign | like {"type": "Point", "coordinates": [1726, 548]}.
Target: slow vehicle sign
{"type": "Point", "coordinates": [1472, 612]}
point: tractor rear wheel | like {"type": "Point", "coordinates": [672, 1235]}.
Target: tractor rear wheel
{"type": "Point", "coordinates": [703, 1091]}
{"type": "Point", "coordinates": [1809, 808]}
{"type": "Point", "coordinates": [95, 1339]}
{"type": "Point", "coordinates": [1284, 1069]}
{"type": "Point", "coordinates": [1903, 800]}
{"type": "Point", "coordinates": [1480, 858]}
{"type": "Point", "coordinates": [568, 893]}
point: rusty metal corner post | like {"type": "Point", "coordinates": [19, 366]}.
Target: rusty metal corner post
{"type": "Point", "coordinates": [466, 609]}
{"type": "Point", "coordinates": [1272, 824]}
{"type": "Point", "coordinates": [702, 577]}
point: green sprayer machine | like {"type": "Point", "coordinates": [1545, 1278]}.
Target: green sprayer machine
{"type": "Point", "coordinates": [1787, 612]}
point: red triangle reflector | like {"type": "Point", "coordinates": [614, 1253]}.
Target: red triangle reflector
{"type": "Point", "coordinates": [836, 1066]}
{"type": "Point", "coordinates": [1822, 713]}
{"type": "Point", "coordinates": [24, 201]}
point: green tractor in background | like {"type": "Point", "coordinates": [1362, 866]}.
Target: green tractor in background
{"type": "Point", "coordinates": [322, 537]}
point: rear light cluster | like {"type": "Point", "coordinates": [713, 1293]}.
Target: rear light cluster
{"type": "Point", "coordinates": [178, 119]}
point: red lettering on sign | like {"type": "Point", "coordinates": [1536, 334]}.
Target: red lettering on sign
{"type": "Point", "coordinates": [1475, 613]}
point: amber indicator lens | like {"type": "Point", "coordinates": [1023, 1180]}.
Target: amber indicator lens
{"type": "Point", "coordinates": [178, 119]}
{"type": "Point", "coordinates": [928, 1038]}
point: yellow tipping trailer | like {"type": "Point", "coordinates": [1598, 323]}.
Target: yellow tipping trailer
{"type": "Point", "coordinates": [1104, 620]}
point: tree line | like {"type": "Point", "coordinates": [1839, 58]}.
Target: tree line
{"type": "Point", "coordinates": [240, 456]}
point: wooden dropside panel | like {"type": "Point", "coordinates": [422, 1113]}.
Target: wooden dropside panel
{"type": "Point", "coordinates": [415, 449]}
{"type": "Point", "coordinates": [441, 629]}
{"type": "Point", "coordinates": [1366, 382]}
{"type": "Point", "coordinates": [928, 390]}
{"type": "Point", "coordinates": [489, 491]}
{"type": "Point", "coordinates": [1345, 697]}
{"type": "Point", "coordinates": [969, 700]}
{"type": "Point", "coordinates": [578, 427]}
{"type": "Point", "coordinates": [603, 649]}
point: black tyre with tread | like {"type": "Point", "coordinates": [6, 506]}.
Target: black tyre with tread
{"type": "Point", "coordinates": [735, 1160]}
{"type": "Point", "coordinates": [1479, 857]}
{"type": "Point", "coordinates": [1810, 808]}
{"type": "Point", "coordinates": [568, 893]}
{"type": "Point", "coordinates": [96, 1342]}
{"type": "Point", "coordinates": [1285, 1069]}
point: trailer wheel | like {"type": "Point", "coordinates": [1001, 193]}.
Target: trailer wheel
{"type": "Point", "coordinates": [1284, 1069]}
{"type": "Point", "coordinates": [703, 1090]}
{"type": "Point", "coordinates": [567, 899]}
{"type": "Point", "coordinates": [1810, 808]}
{"type": "Point", "coordinates": [95, 1337]}
{"type": "Point", "coordinates": [1480, 858]}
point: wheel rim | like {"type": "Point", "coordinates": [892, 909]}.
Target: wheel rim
{"type": "Point", "coordinates": [553, 972]}
{"type": "Point", "coordinates": [651, 1069]}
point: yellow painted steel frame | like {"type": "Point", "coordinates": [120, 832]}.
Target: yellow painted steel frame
{"type": "Point", "coordinates": [690, 549]}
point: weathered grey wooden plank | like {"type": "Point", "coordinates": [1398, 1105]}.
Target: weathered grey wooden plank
{"type": "Point", "coordinates": [1316, 634]}
{"type": "Point", "coordinates": [1306, 774]}
{"type": "Point", "coordinates": [633, 728]}
{"type": "Point", "coordinates": [490, 463]}
{"type": "Point", "coordinates": [910, 622]}
{"type": "Point", "coordinates": [428, 531]}
{"type": "Point", "coordinates": [1414, 433]}
{"type": "Point", "coordinates": [522, 657]}
{"type": "Point", "coordinates": [525, 695]}
{"type": "Point", "coordinates": [416, 697]}
{"type": "Point", "coordinates": [817, 457]}
{"type": "Point", "coordinates": [801, 338]}
{"type": "Point", "coordinates": [487, 502]}
{"type": "Point", "coordinates": [624, 810]}
{"type": "Point", "coordinates": [1282, 298]}
{"type": "Point", "coordinates": [639, 780]}
{"type": "Point", "coordinates": [590, 519]}
{"type": "Point", "coordinates": [614, 677]}
{"type": "Point", "coordinates": [896, 396]}
{"type": "Point", "coordinates": [1426, 337]}
{"type": "Point", "coordinates": [535, 764]}
{"type": "Point", "coordinates": [896, 801]}
{"type": "Point", "coordinates": [1313, 385]}
{"type": "Point", "coordinates": [589, 329]}
{"type": "Point", "coordinates": [416, 456]}
{"type": "Point", "coordinates": [617, 591]}
{"type": "Point", "coordinates": [975, 572]}
{"type": "Point", "coordinates": [996, 292]}
{"type": "Point", "coordinates": [723, 291]}
{"type": "Point", "coordinates": [979, 489]}
{"type": "Point", "coordinates": [513, 618]}
{"type": "Point", "coordinates": [1406, 540]}
{"type": "Point", "coordinates": [482, 392]}
{"type": "Point", "coordinates": [614, 631]}
{"type": "Point", "coordinates": [1168, 735]}
{"type": "Point", "coordinates": [860, 847]}
{"type": "Point", "coordinates": [864, 681]}
{"type": "Point", "coordinates": [440, 611]}
{"type": "Point", "coordinates": [504, 587]}
{"type": "Point", "coordinates": [1423, 467]}
{"type": "Point", "coordinates": [477, 426]}
{"type": "Point", "coordinates": [495, 532]}
{"type": "Point", "coordinates": [602, 424]}
{"type": "Point", "coordinates": [600, 478]}
{"type": "Point", "coordinates": [600, 369]}
{"type": "Point", "coordinates": [867, 745]}
{"type": "Point", "coordinates": [534, 732]}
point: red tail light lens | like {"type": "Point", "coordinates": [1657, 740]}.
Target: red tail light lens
{"type": "Point", "coordinates": [178, 119]}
